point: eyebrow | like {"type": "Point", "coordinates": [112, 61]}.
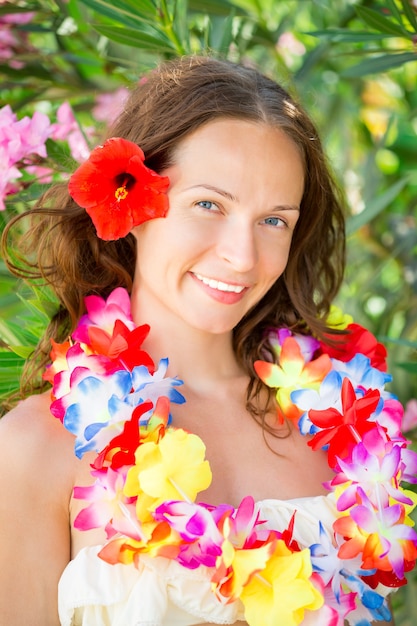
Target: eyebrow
{"type": "Point", "coordinates": [221, 192]}
{"type": "Point", "coordinates": [229, 196]}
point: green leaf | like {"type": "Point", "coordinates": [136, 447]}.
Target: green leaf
{"type": "Point", "coordinates": [215, 7]}
{"type": "Point", "coordinates": [30, 193]}
{"type": "Point", "coordinates": [30, 70]}
{"type": "Point", "coordinates": [10, 372]}
{"type": "Point", "coordinates": [136, 38]}
{"type": "Point", "coordinates": [375, 207]}
{"type": "Point", "coordinates": [9, 359]}
{"type": "Point", "coordinates": [126, 12]}
{"type": "Point", "coordinates": [221, 34]}
{"type": "Point", "coordinates": [379, 64]}
{"type": "Point", "coordinates": [408, 367]}
{"type": "Point", "coordinates": [342, 34]}
{"type": "Point", "coordinates": [40, 310]}
{"type": "Point", "coordinates": [381, 23]}
{"type": "Point", "coordinates": [9, 8]}
{"type": "Point", "coordinates": [392, 7]}
{"type": "Point", "coordinates": [398, 342]}
{"type": "Point", "coordinates": [23, 351]}
{"type": "Point", "coordinates": [60, 153]}
{"type": "Point", "coordinates": [180, 23]}
{"type": "Point", "coordinates": [408, 11]}
{"type": "Point", "coordinates": [227, 34]}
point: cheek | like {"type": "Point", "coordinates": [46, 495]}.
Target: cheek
{"type": "Point", "coordinates": [275, 259]}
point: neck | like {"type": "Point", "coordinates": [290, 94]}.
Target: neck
{"type": "Point", "coordinates": [200, 358]}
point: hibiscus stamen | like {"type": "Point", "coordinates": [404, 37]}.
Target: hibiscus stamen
{"type": "Point", "coordinates": [124, 181]}
{"type": "Point", "coordinates": [121, 193]}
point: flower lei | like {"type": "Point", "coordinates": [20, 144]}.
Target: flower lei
{"type": "Point", "coordinates": [108, 392]}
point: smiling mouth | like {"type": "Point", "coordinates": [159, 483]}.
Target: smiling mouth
{"type": "Point", "coordinates": [219, 285]}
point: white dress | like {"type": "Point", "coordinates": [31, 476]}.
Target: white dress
{"type": "Point", "coordinates": [161, 592]}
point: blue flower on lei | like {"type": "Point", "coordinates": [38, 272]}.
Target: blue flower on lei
{"type": "Point", "coordinates": [347, 574]}
{"type": "Point", "coordinates": [112, 399]}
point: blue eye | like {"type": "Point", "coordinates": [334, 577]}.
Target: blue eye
{"type": "Point", "coordinates": [274, 221]}
{"type": "Point", "coordinates": [206, 204]}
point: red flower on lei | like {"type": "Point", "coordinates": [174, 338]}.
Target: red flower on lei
{"type": "Point", "coordinates": [117, 190]}
{"type": "Point", "coordinates": [342, 431]}
{"type": "Point", "coordinates": [357, 340]}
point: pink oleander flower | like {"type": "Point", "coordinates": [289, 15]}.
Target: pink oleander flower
{"type": "Point", "coordinates": [67, 129]}
{"type": "Point", "coordinates": [24, 137]}
{"type": "Point", "coordinates": [42, 174]}
{"type": "Point", "coordinates": [7, 44]}
{"type": "Point", "coordinates": [287, 42]}
{"type": "Point", "coordinates": [20, 141]}
{"type": "Point", "coordinates": [34, 133]}
{"type": "Point", "coordinates": [17, 18]}
{"type": "Point", "coordinates": [109, 105]}
{"type": "Point", "coordinates": [13, 41]}
{"type": "Point", "coordinates": [9, 174]}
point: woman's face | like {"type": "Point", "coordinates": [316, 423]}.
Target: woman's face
{"type": "Point", "coordinates": [234, 197]}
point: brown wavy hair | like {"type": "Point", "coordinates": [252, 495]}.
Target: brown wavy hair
{"type": "Point", "coordinates": [61, 246]}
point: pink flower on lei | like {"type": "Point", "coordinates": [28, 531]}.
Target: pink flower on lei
{"type": "Point", "coordinates": [103, 314]}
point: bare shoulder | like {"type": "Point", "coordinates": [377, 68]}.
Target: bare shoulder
{"type": "Point", "coordinates": [31, 436]}
{"type": "Point", "coordinates": [37, 472]}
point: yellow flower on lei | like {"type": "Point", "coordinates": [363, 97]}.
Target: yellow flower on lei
{"type": "Point", "coordinates": [338, 319]}
{"type": "Point", "coordinates": [236, 566]}
{"type": "Point", "coordinates": [282, 591]}
{"type": "Point", "coordinates": [171, 469]}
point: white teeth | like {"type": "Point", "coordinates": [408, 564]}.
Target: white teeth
{"type": "Point", "coordinates": [216, 284]}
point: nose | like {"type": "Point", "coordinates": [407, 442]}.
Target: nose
{"type": "Point", "coordinates": [237, 244]}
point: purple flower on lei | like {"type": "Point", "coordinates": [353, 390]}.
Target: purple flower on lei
{"type": "Point", "coordinates": [197, 526]}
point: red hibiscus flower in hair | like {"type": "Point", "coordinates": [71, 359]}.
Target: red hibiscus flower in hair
{"type": "Point", "coordinates": [117, 190]}
{"type": "Point", "coordinates": [357, 339]}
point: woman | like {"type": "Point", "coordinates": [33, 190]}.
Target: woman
{"type": "Point", "coordinates": [230, 243]}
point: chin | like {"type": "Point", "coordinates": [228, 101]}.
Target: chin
{"type": "Point", "coordinates": [217, 327]}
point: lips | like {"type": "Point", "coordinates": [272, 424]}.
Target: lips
{"type": "Point", "coordinates": [219, 285]}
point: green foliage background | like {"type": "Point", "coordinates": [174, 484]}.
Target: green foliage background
{"type": "Point", "coordinates": [353, 63]}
